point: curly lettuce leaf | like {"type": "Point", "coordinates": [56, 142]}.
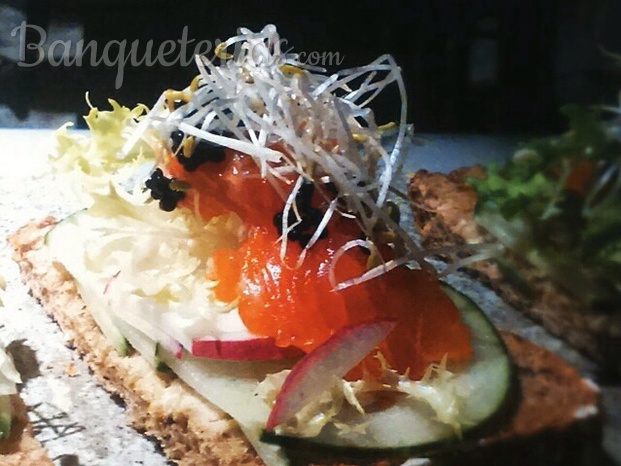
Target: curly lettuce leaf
{"type": "Point", "coordinates": [515, 195]}
{"type": "Point", "coordinates": [438, 390]}
{"type": "Point", "coordinates": [557, 202]}
{"type": "Point", "coordinates": [90, 160]}
{"type": "Point", "coordinates": [101, 151]}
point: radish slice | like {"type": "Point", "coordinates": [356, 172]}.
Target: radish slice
{"type": "Point", "coordinates": [310, 377]}
{"type": "Point", "coordinates": [251, 349]}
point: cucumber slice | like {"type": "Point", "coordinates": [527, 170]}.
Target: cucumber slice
{"type": "Point", "coordinates": [6, 414]}
{"type": "Point", "coordinates": [232, 386]}
{"type": "Point", "coordinates": [408, 426]}
{"type": "Point", "coordinates": [63, 240]}
{"type": "Point", "coordinates": [146, 347]}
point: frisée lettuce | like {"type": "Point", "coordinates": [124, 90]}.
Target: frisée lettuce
{"type": "Point", "coordinates": [92, 160]}
{"type": "Point", "coordinates": [143, 267]}
{"type": "Point", "coordinates": [437, 390]}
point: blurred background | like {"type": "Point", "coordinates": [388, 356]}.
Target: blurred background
{"type": "Point", "coordinates": [486, 66]}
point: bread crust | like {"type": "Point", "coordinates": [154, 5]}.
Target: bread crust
{"type": "Point", "coordinates": [191, 431]}
{"type": "Point", "coordinates": [194, 432]}
{"type": "Point", "coordinates": [443, 208]}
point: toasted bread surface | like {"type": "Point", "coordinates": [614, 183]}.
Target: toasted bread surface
{"type": "Point", "coordinates": [443, 207]}
{"type": "Point", "coordinates": [190, 430]}
{"type": "Point", "coordinates": [555, 400]}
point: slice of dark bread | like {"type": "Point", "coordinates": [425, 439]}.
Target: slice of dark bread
{"type": "Point", "coordinates": [21, 448]}
{"type": "Point", "coordinates": [557, 414]}
{"type": "Point", "coordinates": [443, 208]}
{"type": "Point", "coordinates": [192, 431]}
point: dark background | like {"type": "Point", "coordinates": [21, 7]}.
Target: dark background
{"type": "Point", "coordinates": [470, 66]}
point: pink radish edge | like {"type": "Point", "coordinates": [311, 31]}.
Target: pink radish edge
{"type": "Point", "coordinates": [333, 358]}
{"type": "Point", "coordinates": [252, 349]}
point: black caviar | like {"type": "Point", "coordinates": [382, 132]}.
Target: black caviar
{"type": "Point", "coordinates": [310, 217]}
{"type": "Point", "coordinates": [161, 190]}
{"type": "Point", "coordinates": [176, 138]}
{"type": "Point", "coordinates": [200, 153]}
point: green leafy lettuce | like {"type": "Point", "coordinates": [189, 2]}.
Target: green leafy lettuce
{"type": "Point", "coordinates": [557, 204]}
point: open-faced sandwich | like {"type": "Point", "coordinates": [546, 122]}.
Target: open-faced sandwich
{"type": "Point", "coordinates": [239, 276]}
{"type": "Point", "coordinates": [550, 223]}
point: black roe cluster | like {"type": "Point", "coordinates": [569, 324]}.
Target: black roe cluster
{"type": "Point", "coordinates": [161, 190]}
{"type": "Point", "coordinates": [310, 217]}
{"type": "Point", "coordinates": [202, 152]}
